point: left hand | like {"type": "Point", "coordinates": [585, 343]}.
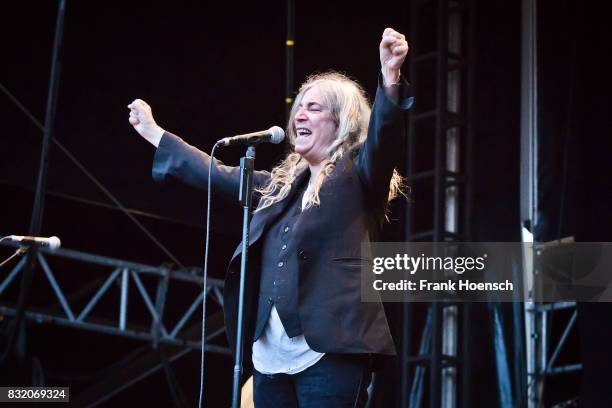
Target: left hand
{"type": "Point", "coordinates": [393, 51]}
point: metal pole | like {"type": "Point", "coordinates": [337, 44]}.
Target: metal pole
{"type": "Point", "coordinates": [439, 192]}
{"type": "Point", "coordinates": [247, 165]}
{"type": "Point", "coordinates": [528, 181]}
{"type": "Point", "coordinates": [289, 56]}
{"type": "Point", "coordinates": [39, 198]}
{"type": "Point", "coordinates": [468, 196]}
{"type": "Point", "coordinates": [408, 308]}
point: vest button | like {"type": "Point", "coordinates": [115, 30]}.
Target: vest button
{"type": "Point", "coordinates": [284, 247]}
{"type": "Point", "coordinates": [286, 229]}
{"type": "Point", "coordinates": [280, 264]}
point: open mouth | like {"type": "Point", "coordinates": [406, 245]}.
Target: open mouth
{"type": "Point", "coordinates": [303, 132]}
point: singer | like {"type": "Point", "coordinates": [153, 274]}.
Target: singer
{"type": "Point", "coordinates": [311, 339]}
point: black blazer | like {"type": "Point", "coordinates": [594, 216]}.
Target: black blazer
{"type": "Point", "coordinates": [328, 237]}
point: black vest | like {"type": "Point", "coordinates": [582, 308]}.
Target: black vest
{"type": "Point", "coordinates": [279, 272]}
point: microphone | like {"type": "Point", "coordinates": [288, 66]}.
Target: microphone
{"type": "Point", "coordinates": [273, 135]}
{"type": "Point", "coordinates": [52, 243]}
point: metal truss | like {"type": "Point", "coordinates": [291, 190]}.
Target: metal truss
{"type": "Point", "coordinates": [538, 316]}
{"type": "Point", "coordinates": [448, 124]}
{"type": "Point", "coordinates": [154, 328]}
{"type": "Point", "coordinates": [546, 365]}
{"type": "Point", "coordinates": [539, 341]}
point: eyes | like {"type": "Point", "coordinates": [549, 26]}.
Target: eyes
{"type": "Point", "coordinates": [312, 107]}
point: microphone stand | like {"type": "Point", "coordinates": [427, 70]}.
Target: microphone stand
{"type": "Point", "coordinates": [20, 251]}
{"type": "Point", "coordinates": [245, 196]}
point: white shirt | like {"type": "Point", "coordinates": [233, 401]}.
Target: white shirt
{"type": "Point", "coordinates": [274, 352]}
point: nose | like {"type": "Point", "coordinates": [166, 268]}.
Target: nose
{"type": "Point", "coordinates": [300, 115]}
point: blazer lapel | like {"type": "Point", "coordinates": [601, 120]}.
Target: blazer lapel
{"type": "Point", "coordinates": [264, 218]}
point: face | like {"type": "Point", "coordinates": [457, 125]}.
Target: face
{"type": "Point", "coordinates": [314, 127]}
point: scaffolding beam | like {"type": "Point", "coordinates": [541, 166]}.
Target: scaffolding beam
{"type": "Point", "coordinates": [449, 176]}
{"type": "Point", "coordinates": [132, 279]}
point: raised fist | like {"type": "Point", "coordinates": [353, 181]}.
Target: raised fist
{"type": "Point", "coordinates": [141, 117]}
{"type": "Point", "coordinates": [393, 51]}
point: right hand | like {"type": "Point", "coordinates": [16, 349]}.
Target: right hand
{"type": "Point", "coordinates": [141, 117]}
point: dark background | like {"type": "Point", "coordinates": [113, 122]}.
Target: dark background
{"type": "Point", "coordinates": [210, 70]}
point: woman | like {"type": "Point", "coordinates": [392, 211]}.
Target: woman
{"type": "Point", "coordinates": [312, 336]}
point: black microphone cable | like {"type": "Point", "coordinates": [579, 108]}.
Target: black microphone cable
{"type": "Point", "coordinates": [205, 273]}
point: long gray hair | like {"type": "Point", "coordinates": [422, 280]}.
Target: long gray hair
{"type": "Point", "coordinates": [350, 112]}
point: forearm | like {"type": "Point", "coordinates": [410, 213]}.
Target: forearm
{"type": "Point", "coordinates": [391, 81]}
{"type": "Point", "coordinates": [382, 151]}
{"type": "Point", "coordinates": [176, 159]}
{"type": "Point", "coordinates": [153, 135]}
